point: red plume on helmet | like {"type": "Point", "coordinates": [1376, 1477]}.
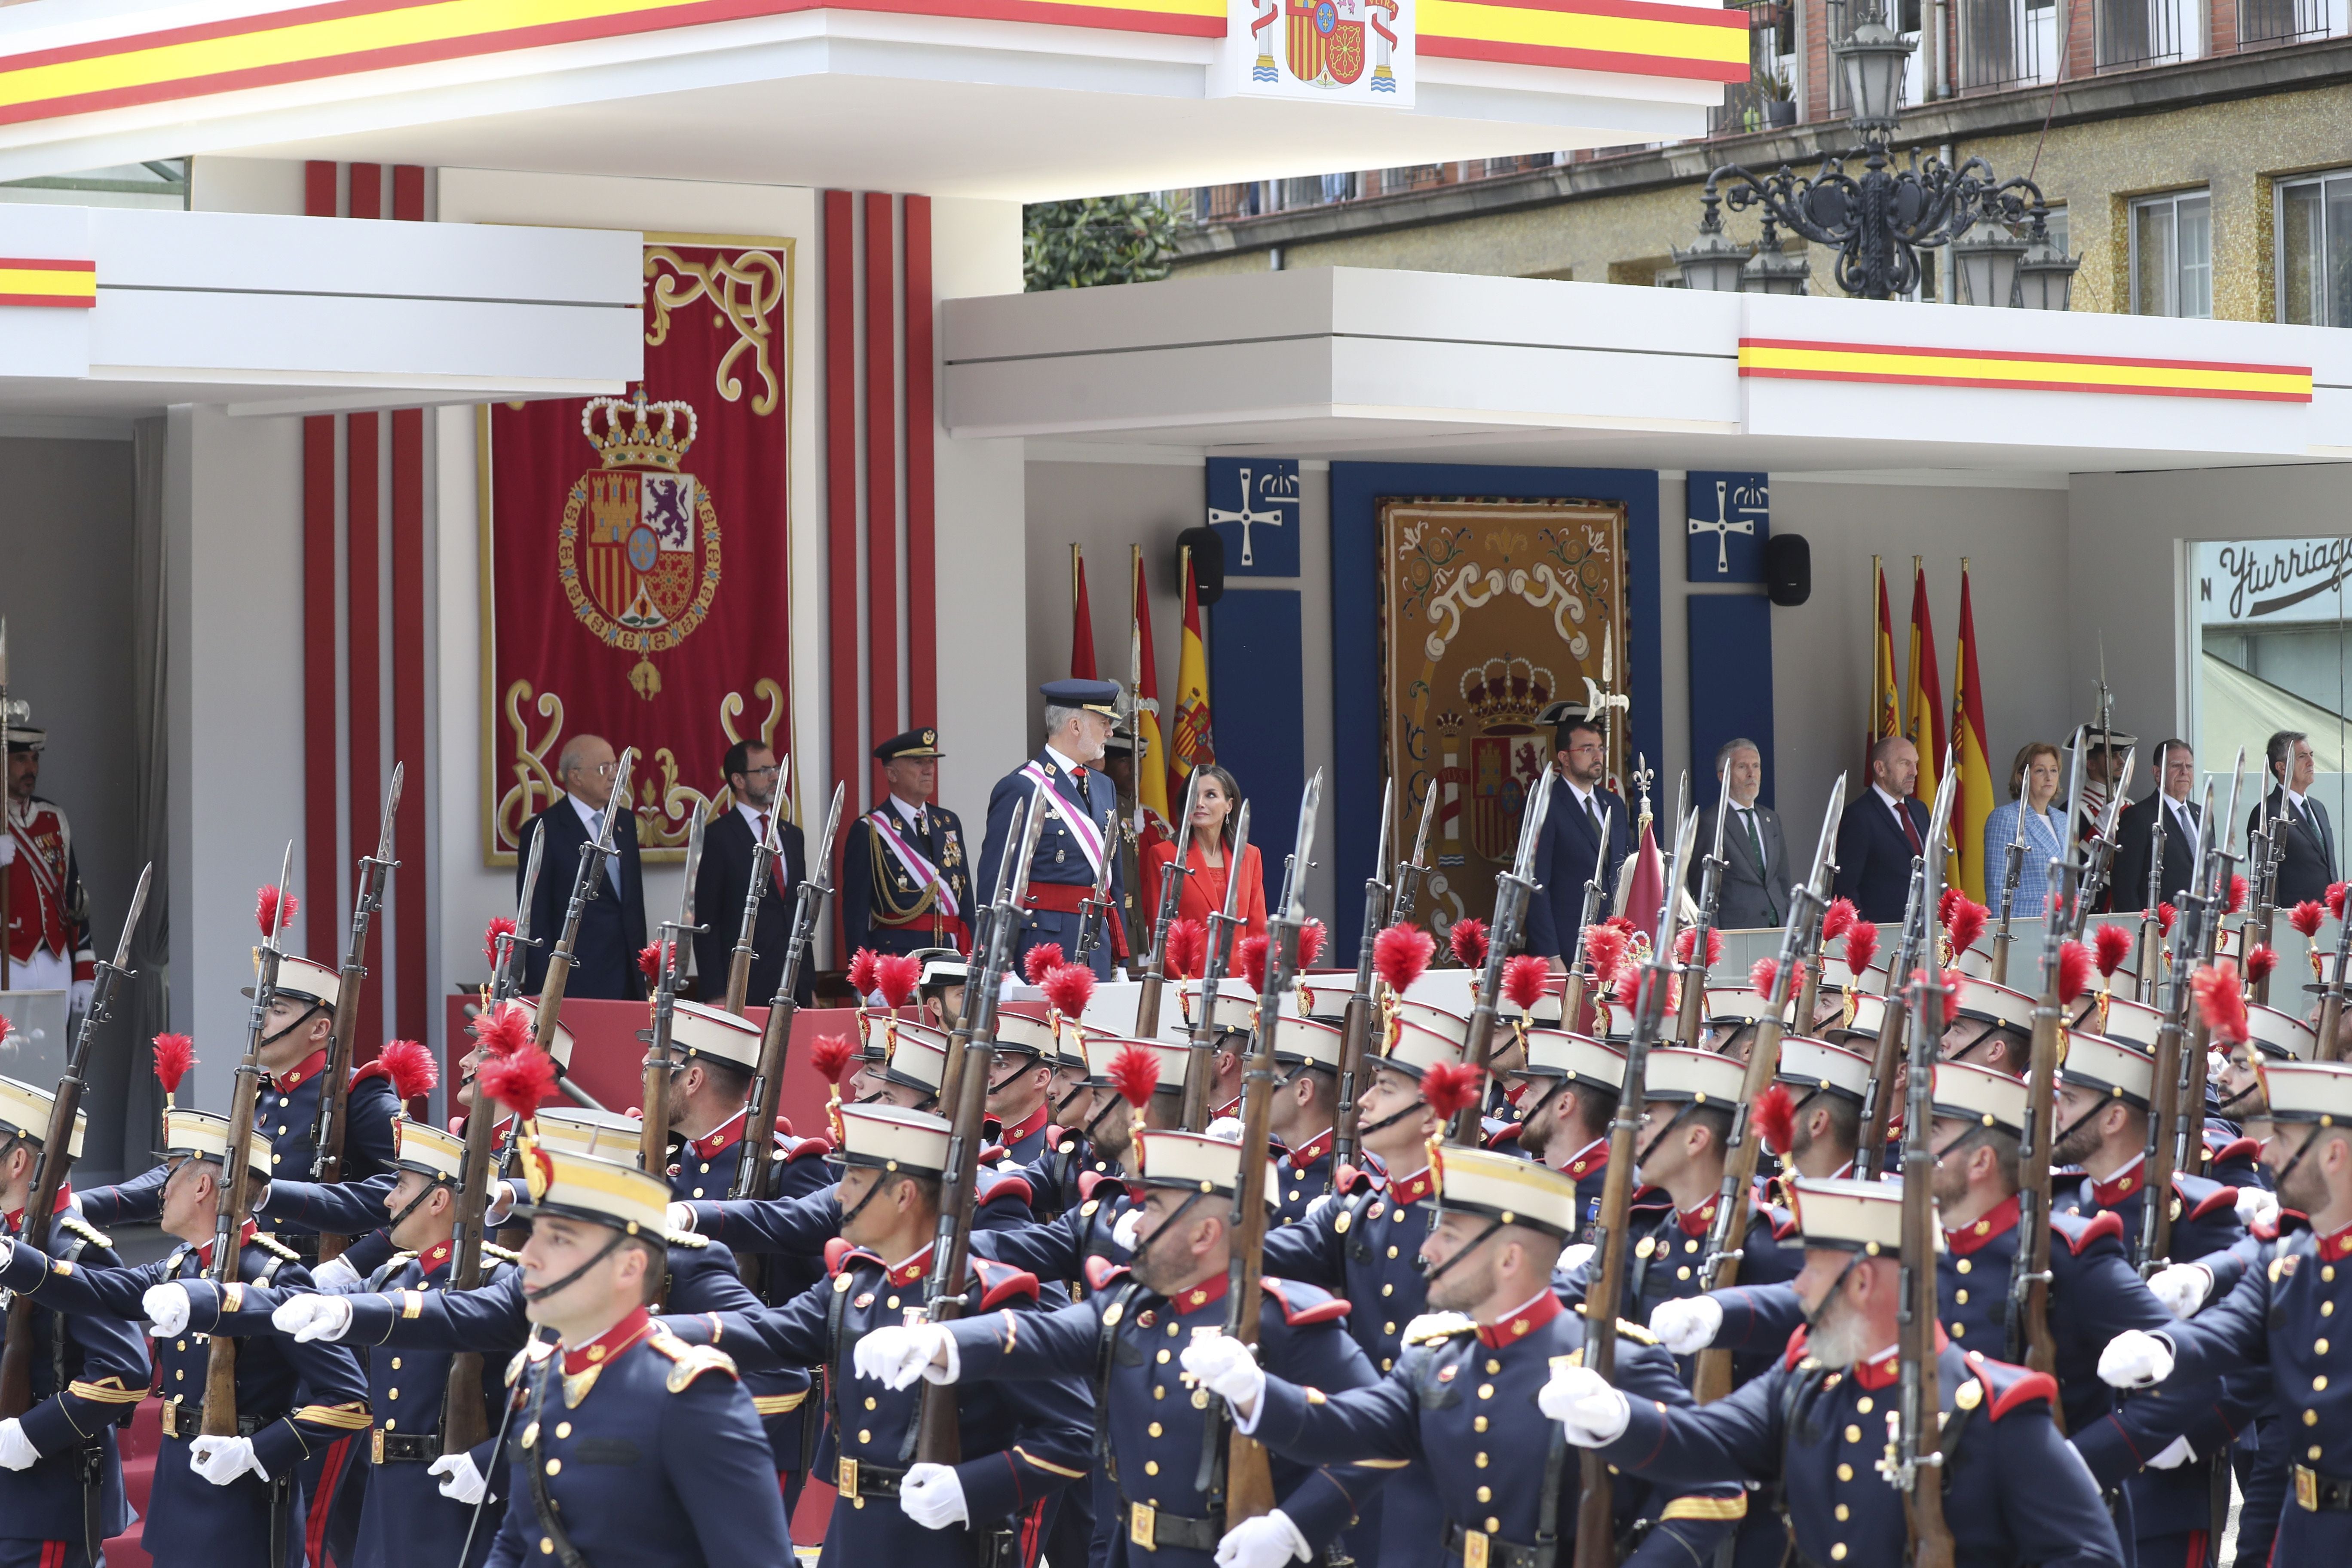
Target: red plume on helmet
{"type": "Point", "coordinates": [1402, 953]}
{"type": "Point", "coordinates": [1949, 901]}
{"type": "Point", "coordinates": [1604, 948]}
{"type": "Point", "coordinates": [500, 925]}
{"type": "Point", "coordinates": [2237, 894]}
{"type": "Point", "coordinates": [895, 975]}
{"type": "Point", "coordinates": [1950, 981]}
{"type": "Point", "coordinates": [1688, 938]}
{"type": "Point", "coordinates": [1249, 958]}
{"type": "Point", "coordinates": [1069, 988]}
{"type": "Point", "coordinates": [2336, 899]}
{"type": "Point", "coordinates": [520, 1080]}
{"type": "Point", "coordinates": [2073, 970]}
{"type": "Point", "coordinates": [1776, 1118]}
{"type": "Point", "coordinates": [2164, 915]}
{"type": "Point", "coordinates": [1837, 919]}
{"type": "Point", "coordinates": [410, 1067]}
{"type": "Point", "coordinates": [1448, 1087]}
{"type": "Point", "coordinates": [1966, 923]}
{"type": "Point", "coordinates": [1525, 980]}
{"type": "Point", "coordinates": [1311, 938]}
{"type": "Point", "coordinates": [174, 1054]}
{"type": "Point", "coordinates": [2221, 1000]}
{"type": "Point", "coordinates": [2306, 916]}
{"type": "Point", "coordinates": [2261, 958]}
{"type": "Point", "coordinates": [2110, 944]}
{"type": "Point", "coordinates": [266, 913]}
{"type": "Point", "coordinates": [503, 1030]}
{"type": "Point", "coordinates": [650, 961]}
{"type": "Point", "coordinates": [831, 1055]}
{"type": "Point", "coordinates": [1135, 1073]}
{"type": "Point", "coordinates": [1860, 946]}
{"type": "Point", "coordinates": [1468, 939]}
{"type": "Point", "coordinates": [1041, 960]}
{"type": "Point", "coordinates": [1188, 945]}
{"type": "Point", "coordinates": [1765, 972]}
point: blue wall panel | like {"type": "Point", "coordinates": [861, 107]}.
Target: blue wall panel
{"type": "Point", "coordinates": [1258, 708]}
{"type": "Point", "coordinates": [1730, 684]}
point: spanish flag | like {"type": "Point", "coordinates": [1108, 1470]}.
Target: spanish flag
{"type": "Point", "coordinates": [1885, 707]}
{"type": "Point", "coordinates": [1151, 771]}
{"type": "Point", "coordinates": [1082, 621]}
{"type": "Point", "coordinates": [1191, 746]}
{"type": "Point", "coordinates": [1975, 802]}
{"type": "Point", "coordinates": [1924, 698]}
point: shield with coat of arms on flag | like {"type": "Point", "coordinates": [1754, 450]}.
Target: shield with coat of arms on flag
{"type": "Point", "coordinates": [1323, 40]}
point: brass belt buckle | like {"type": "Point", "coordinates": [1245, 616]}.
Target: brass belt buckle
{"type": "Point", "coordinates": [375, 1445]}
{"type": "Point", "coordinates": [170, 1418]}
{"type": "Point", "coordinates": [1474, 1548]}
{"type": "Point", "coordinates": [1142, 1519]}
{"type": "Point", "coordinates": [847, 1479]}
{"type": "Point", "coordinates": [2306, 1488]}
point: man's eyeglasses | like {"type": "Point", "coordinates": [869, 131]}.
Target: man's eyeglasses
{"type": "Point", "coordinates": [770, 770]}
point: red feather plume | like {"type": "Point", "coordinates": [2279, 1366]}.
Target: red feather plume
{"type": "Point", "coordinates": [1625, 983]}
{"type": "Point", "coordinates": [410, 1067]}
{"type": "Point", "coordinates": [1776, 1118]}
{"type": "Point", "coordinates": [2261, 958]}
{"type": "Point", "coordinates": [894, 975]}
{"type": "Point", "coordinates": [267, 914]}
{"type": "Point", "coordinates": [1069, 989]}
{"type": "Point", "coordinates": [1689, 936]}
{"type": "Point", "coordinates": [500, 925]}
{"type": "Point", "coordinates": [2336, 899]}
{"type": "Point", "coordinates": [1950, 981]}
{"type": "Point", "coordinates": [832, 1054]}
{"type": "Point", "coordinates": [1188, 945]}
{"type": "Point", "coordinates": [2237, 894]}
{"type": "Point", "coordinates": [2110, 944]}
{"type": "Point", "coordinates": [1621, 923]}
{"type": "Point", "coordinates": [1945, 905]}
{"type": "Point", "coordinates": [1249, 957]}
{"type": "Point", "coordinates": [1860, 945]}
{"type": "Point", "coordinates": [174, 1054]}
{"type": "Point", "coordinates": [1838, 919]}
{"type": "Point", "coordinates": [2073, 970]}
{"type": "Point", "coordinates": [2221, 1000]}
{"type": "Point", "coordinates": [1135, 1073]}
{"type": "Point", "coordinates": [1469, 942]}
{"type": "Point", "coordinates": [2306, 916]}
{"type": "Point", "coordinates": [861, 972]}
{"type": "Point", "coordinates": [1041, 960]}
{"type": "Point", "coordinates": [1605, 947]}
{"type": "Point", "coordinates": [650, 961]}
{"type": "Point", "coordinates": [520, 1080]}
{"type": "Point", "coordinates": [1525, 980]}
{"type": "Point", "coordinates": [1451, 1087]}
{"type": "Point", "coordinates": [2164, 915]}
{"type": "Point", "coordinates": [1765, 973]}
{"type": "Point", "coordinates": [1402, 953]}
{"type": "Point", "coordinates": [503, 1030]}
{"type": "Point", "coordinates": [1311, 938]}
{"type": "Point", "coordinates": [1966, 923]}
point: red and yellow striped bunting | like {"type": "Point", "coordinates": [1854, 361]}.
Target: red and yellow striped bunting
{"type": "Point", "coordinates": [70, 284]}
{"type": "Point", "coordinates": [1796, 358]}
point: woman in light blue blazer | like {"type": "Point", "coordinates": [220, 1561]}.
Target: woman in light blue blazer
{"type": "Point", "coordinates": [2034, 776]}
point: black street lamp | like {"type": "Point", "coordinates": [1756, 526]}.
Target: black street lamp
{"type": "Point", "coordinates": [1878, 220]}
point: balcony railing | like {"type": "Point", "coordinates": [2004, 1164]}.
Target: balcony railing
{"type": "Point", "coordinates": [2143, 32]}
{"type": "Point", "coordinates": [2007, 43]}
{"type": "Point", "coordinates": [2289, 21]}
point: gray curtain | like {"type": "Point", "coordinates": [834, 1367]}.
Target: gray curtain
{"type": "Point", "coordinates": [146, 1009]}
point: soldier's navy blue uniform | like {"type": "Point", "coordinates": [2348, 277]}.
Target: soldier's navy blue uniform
{"type": "Point", "coordinates": [88, 1374]}
{"type": "Point", "coordinates": [800, 1227]}
{"type": "Point", "coordinates": [882, 902]}
{"type": "Point", "coordinates": [1059, 1249]}
{"type": "Point", "coordinates": [1028, 1139]}
{"type": "Point", "coordinates": [1063, 871]}
{"type": "Point", "coordinates": [648, 1454]}
{"type": "Point", "coordinates": [1300, 1176]}
{"type": "Point", "coordinates": [1667, 1262]}
{"type": "Point", "coordinates": [2014, 1491]}
{"type": "Point", "coordinates": [1060, 1178]}
{"type": "Point", "coordinates": [293, 1400]}
{"type": "Point", "coordinates": [1150, 1421]}
{"type": "Point", "coordinates": [1460, 1409]}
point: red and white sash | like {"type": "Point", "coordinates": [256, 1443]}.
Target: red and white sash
{"type": "Point", "coordinates": [885, 823]}
{"type": "Point", "coordinates": [1081, 822]}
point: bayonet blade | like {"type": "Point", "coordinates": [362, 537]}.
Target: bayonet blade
{"type": "Point", "coordinates": [281, 914]}
{"type": "Point", "coordinates": [1031, 829]}
{"type": "Point", "coordinates": [391, 810]}
{"type": "Point", "coordinates": [1234, 860]}
{"type": "Point", "coordinates": [529, 889]}
{"type": "Point", "coordinates": [617, 802]}
{"type": "Point", "coordinates": [1531, 824]}
{"type": "Point", "coordinates": [1309, 804]}
{"type": "Point", "coordinates": [2230, 818]}
{"type": "Point", "coordinates": [693, 866]}
{"type": "Point", "coordinates": [821, 868]}
{"type": "Point", "coordinates": [1828, 840]}
{"type": "Point", "coordinates": [130, 922]}
{"type": "Point", "coordinates": [1420, 838]}
{"type": "Point", "coordinates": [1381, 850]}
{"type": "Point", "coordinates": [1185, 827]}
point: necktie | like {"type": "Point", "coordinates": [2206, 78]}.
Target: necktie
{"type": "Point", "coordinates": [1593, 816]}
{"type": "Point", "coordinates": [1756, 844]}
{"type": "Point", "coordinates": [776, 866]}
{"type": "Point", "coordinates": [1910, 828]}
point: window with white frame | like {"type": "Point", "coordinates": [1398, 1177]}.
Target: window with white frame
{"type": "Point", "coordinates": [2172, 255]}
{"type": "Point", "coordinates": [2314, 250]}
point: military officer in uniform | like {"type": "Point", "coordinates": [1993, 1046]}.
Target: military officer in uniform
{"type": "Point", "coordinates": [49, 912]}
{"type": "Point", "coordinates": [1572, 1083]}
{"type": "Point", "coordinates": [1081, 822]}
{"type": "Point", "coordinates": [1229, 1038]}
{"type": "Point", "coordinates": [1020, 1081]}
{"type": "Point", "coordinates": [2015, 1492]}
{"type": "Point", "coordinates": [1994, 1029]}
{"type": "Point", "coordinates": [1826, 1085]}
{"type": "Point", "coordinates": [1304, 1113]}
{"type": "Point", "coordinates": [1459, 1407]}
{"type": "Point", "coordinates": [906, 876]}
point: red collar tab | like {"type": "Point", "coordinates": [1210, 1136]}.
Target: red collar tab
{"type": "Point", "coordinates": [913, 1270]}
{"type": "Point", "coordinates": [301, 1072]}
{"type": "Point", "coordinates": [16, 1217]}
{"type": "Point", "coordinates": [608, 1344]}
{"type": "Point", "coordinates": [1510, 1330]}
{"type": "Point", "coordinates": [1205, 1294]}
{"type": "Point", "coordinates": [1592, 1157]}
{"type": "Point", "coordinates": [726, 1135]}
{"type": "Point", "coordinates": [1316, 1148]}
{"type": "Point", "coordinates": [2120, 1186]}
{"type": "Point", "coordinates": [1031, 1123]}
{"type": "Point", "coordinates": [436, 1258]}
{"type": "Point", "coordinates": [1884, 1371]}
{"type": "Point", "coordinates": [1968, 1237]}
{"type": "Point", "coordinates": [1696, 1225]}
{"type": "Point", "coordinates": [1230, 1108]}
{"type": "Point", "coordinates": [1422, 1184]}
{"type": "Point", "coordinates": [2335, 1249]}
{"type": "Point", "coordinates": [204, 1253]}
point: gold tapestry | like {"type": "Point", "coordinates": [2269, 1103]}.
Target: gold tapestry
{"type": "Point", "coordinates": [1490, 611]}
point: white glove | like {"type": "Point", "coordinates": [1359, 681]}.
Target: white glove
{"type": "Point", "coordinates": [2256, 1205]}
{"type": "Point", "coordinates": [1574, 1256]}
{"type": "Point", "coordinates": [1228, 1368]}
{"type": "Point", "coordinates": [501, 1207]}
{"type": "Point", "coordinates": [1123, 1229]}
{"type": "Point", "coordinates": [1320, 1206]}
{"type": "Point", "coordinates": [221, 1461]}
{"type": "Point", "coordinates": [166, 1306]}
{"type": "Point", "coordinates": [681, 1217]}
{"type": "Point", "coordinates": [2176, 1454]}
{"type": "Point", "coordinates": [7, 849]}
{"type": "Point", "coordinates": [1684, 1326]}
{"type": "Point", "coordinates": [1268, 1540]}
{"type": "Point", "coordinates": [2182, 1287]}
{"type": "Point", "coordinates": [894, 1356]}
{"type": "Point", "coordinates": [337, 1278]}
{"type": "Point", "coordinates": [309, 1318]}
{"type": "Point", "coordinates": [1592, 1413]}
{"type": "Point", "coordinates": [2134, 1360]}
{"type": "Point", "coordinates": [932, 1496]}
{"type": "Point", "coordinates": [1228, 1128]}
{"type": "Point", "coordinates": [78, 999]}
{"type": "Point", "coordinates": [460, 1482]}
{"type": "Point", "coordinates": [17, 1450]}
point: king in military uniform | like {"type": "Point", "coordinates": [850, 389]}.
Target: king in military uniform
{"type": "Point", "coordinates": [1079, 838]}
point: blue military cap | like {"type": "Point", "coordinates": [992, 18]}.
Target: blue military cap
{"type": "Point", "coordinates": [1095, 696]}
{"type": "Point", "coordinates": [923, 742]}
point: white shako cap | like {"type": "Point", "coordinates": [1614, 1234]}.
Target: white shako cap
{"type": "Point", "coordinates": [606, 1134]}
{"type": "Point", "coordinates": [599, 1191]}
{"type": "Point", "coordinates": [1869, 1014]}
{"type": "Point", "coordinates": [1816, 1064]}
{"type": "Point", "coordinates": [1963, 1091]}
{"type": "Point", "coordinates": [1413, 1050]}
{"type": "Point", "coordinates": [427, 1149]}
{"type": "Point", "coordinates": [698, 1030]}
{"type": "Point", "coordinates": [2133, 1023]}
{"type": "Point", "coordinates": [1303, 1042]}
{"type": "Point", "coordinates": [559, 1045]}
{"type": "Point", "coordinates": [1236, 1004]}
{"type": "Point", "coordinates": [919, 1057]}
{"type": "Point", "coordinates": [1699, 1078]}
{"type": "Point", "coordinates": [2121, 1070]}
{"type": "Point", "coordinates": [2280, 1034]}
{"type": "Point", "coordinates": [1991, 1004]}
{"type": "Point", "coordinates": [1188, 1162]}
{"type": "Point", "coordinates": [1575, 1059]}
{"type": "Point", "coordinates": [1736, 1005]}
{"type": "Point", "coordinates": [1020, 1032]}
{"type": "Point", "coordinates": [1509, 1188]}
{"type": "Point", "coordinates": [1172, 1058]}
{"type": "Point", "coordinates": [305, 981]}
{"type": "Point", "coordinates": [1846, 1215]}
{"type": "Point", "coordinates": [892, 1138]}
{"type": "Point", "coordinates": [201, 1135]}
{"type": "Point", "coordinates": [2309, 1091]}
{"type": "Point", "coordinates": [24, 1112]}
{"type": "Point", "coordinates": [1437, 1020]}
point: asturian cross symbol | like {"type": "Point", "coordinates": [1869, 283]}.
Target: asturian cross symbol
{"type": "Point", "coordinates": [1722, 528]}
{"type": "Point", "coordinates": [1245, 517]}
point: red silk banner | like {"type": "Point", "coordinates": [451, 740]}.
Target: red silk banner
{"type": "Point", "coordinates": [637, 554]}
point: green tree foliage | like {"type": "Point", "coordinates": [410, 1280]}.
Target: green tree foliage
{"type": "Point", "coordinates": [1100, 240]}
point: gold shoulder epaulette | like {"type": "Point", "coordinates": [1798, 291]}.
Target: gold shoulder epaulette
{"type": "Point", "coordinates": [1628, 1329]}
{"type": "Point", "coordinates": [1430, 1326]}
{"type": "Point", "coordinates": [536, 1350]}
{"type": "Point", "coordinates": [692, 1360]}
{"type": "Point", "coordinates": [269, 1243]}
{"type": "Point", "coordinates": [501, 1254]}
{"type": "Point", "coordinates": [396, 1262]}
{"type": "Point", "coordinates": [686, 1238]}
{"type": "Point", "coordinates": [84, 1229]}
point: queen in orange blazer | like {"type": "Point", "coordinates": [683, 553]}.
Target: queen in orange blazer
{"type": "Point", "coordinates": [1209, 856]}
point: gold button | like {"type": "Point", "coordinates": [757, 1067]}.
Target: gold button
{"type": "Point", "coordinates": [1158, 1392]}
{"type": "Point", "coordinates": [179, 1345]}
{"type": "Point", "coordinates": [1480, 1461]}
{"type": "Point", "coordinates": [2320, 1349]}
{"type": "Point", "coordinates": [1485, 1391]}
{"type": "Point", "coordinates": [546, 1545]}
{"type": "Point", "coordinates": [1150, 1467]}
{"type": "Point", "coordinates": [891, 1302]}
{"type": "Point", "coordinates": [1163, 1358]}
{"type": "Point", "coordinates": [2327, 1309]}
{"type": "Point", "coordinates": [2327, 1273]}
{"type": "Point", "coordinates": [395, 1364]}
{"type": "Point", "coordinates": [2319, 1383]}
{"type": "Point", "coordinates": [1961, 1297]}
{"type": "Point", "coordinates": [1386, 1364]}
{"type": "Point", "coordinates": [564, 1429]}
{"type": "Point", "coordinates": [1392, 1252]}
{"type": "Point", "coordinates": [1853, 1434]}
{"type": "Point", "coordinates": [1388, 1328]}
{"type": "Point", "coordinates": [1485, 1494]}
{"type": "Point", "coordinates": [869, 1401]}
{"type": "Point", "coordinates": [555, 1467]}
{"type": "Point", "coordinates": [1493, 1366]}
{"type": "Point", "coordinates": [1493, 1525]}
{"type": "Point", "coordinates": [1683, 1272]}
{"type": "Point", "coordinates": [705, 1170]}
{"type": "Point", "coordinates": [1863, 1404]}
{"type": "Point", "coordinates": [1845, 1472]}
{"type": "Point", "coordinates": [1171, 1330]}
{"type": "Point", "coordinates": [1962, 1266]}
{"type": "Point", "coordinates": [1479, 1425]}
{"type": "Point", "coordinates": [284, 1099]}
{"type": "Point", "coordinates": [1153, 1429]}
{"type": "Point", "coordinates": [697, 1192]}
{"type": "Point", "coordinates": [1960, 1330]}
{"type": "Point", "coordinates": [2311, 1418]}
{"type": "Point", "coordinates": [865, 1435]}
{"type": "Point", "coordinates": [1388, 1289]}
{"type": "Point", "coordinates": [392, 1393]}
{"type": "Point", "coordinates": [179, 1377]}
{"type": "Point", "coordinates": [1690, 1247]}
{"type": "Point", "coordinates": [1837, 1552]}
{"type": "Point", "coordinates": [1843, 1514]}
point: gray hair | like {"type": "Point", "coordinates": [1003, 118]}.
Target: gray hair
{"type": "Point", "coordinates": [1736, 744]}
{"type": "Point", "coordinates": [1057, 718]}
{"type": "Point", "coordinates": [2281, 749]}
{"type": "Point", "coordinates": [569, 758]}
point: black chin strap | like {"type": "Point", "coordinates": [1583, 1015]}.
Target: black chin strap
{"type": "Point", "coordinates": [307, 1014]}
{"type": "Point", "coordinates": [569, 1280]}
{"type": "Point", "coordinates": [1643, 1157]}
{"type": "Point", "coordinates": [1063, 1103]}
{"type": "Point", "coordinates": [1484, 1236]}
{"type": "Point", "coordinates": [2278, 1181]}
{"type": "Point", "coordinates": [411, 1206]}
{"type": "Point", "coordinates": [1814, 1314]}
{"type": "Point", "coordinates": [859, 1207]}
{"type": "Point", "coordinates": [1143, 1245]}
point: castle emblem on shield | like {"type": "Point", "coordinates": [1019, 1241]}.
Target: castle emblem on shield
{"type": "Point", "coordinates": [1346, 48]}
{"type": "Point", "coordinates": [1323, 40]}
{"type": "Point", "coordinates": [637, 551]}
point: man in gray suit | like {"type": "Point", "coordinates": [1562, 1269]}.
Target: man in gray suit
{"type": "Point", "coordinates": [1754, 891]}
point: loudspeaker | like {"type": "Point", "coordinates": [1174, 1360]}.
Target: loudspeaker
{"type": "Point", "coordinates": [1208, 548]}
{"type": "Point", "coordinates": [1789, 568]}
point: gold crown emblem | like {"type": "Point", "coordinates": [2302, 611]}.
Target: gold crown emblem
{"type": "Point", "coordinates": [1507, 693]}
{"type": "Point", "coordinates": [639, 442]}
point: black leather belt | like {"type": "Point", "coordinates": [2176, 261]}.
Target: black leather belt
{"type": "Point", "coordinates": [402, 1447]}
{"type": "Point", "coordinates": [186, 1420]}
{"type": "Point", "coordinates": [857, 1479]}
{"type": "Point", "coordinates": [1476, 1549]}
{"type": "Point", "coordinates": [2316, 1493]}
{"type": "Point", "coordinates": [1153, 1528]}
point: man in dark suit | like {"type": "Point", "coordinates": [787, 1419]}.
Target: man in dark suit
{"type": "Point", "coordinates": [725, 881]}
{"type": "Point", "coordinates": [613, 925]}
{"type": "Point", "coordinates": [2308, 838]}
{"type": "Point", "coordinates": [1881, 833]}
{"type": "Point", "coordinates": [1752, 892]}
{"type": "Point", "coordinates": [906, 872]}
{"type": "Point", "coordinates": [1585, 822]}
{"type": "Point", "coordinates": [2176, 774]}
{"type": "Point", "coordinates": [1080, 828]}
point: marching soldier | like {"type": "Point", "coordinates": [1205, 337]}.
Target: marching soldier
{"type": "Point", "coordinates": [1081, 824]}
{"type": "Point", "coordinates": [1827, 1084]}
{"type": "Point", "coordinates": [60, 1471]}
{"type": "Point", "coordinates": [1460, 1406]}
{"type": "Point", "coordinates": [1019, 1095]}
{"type": "Point", "coordinates": [215, 1500]}
{"type": "Point", "coordinates": [1994, 1029]}
{"type": "Point", "coordinates": [906, 877]}
{"type": "Point", "coordinates": [1304, 1114]}
{"type": "Point", "coordinates": [49, 912]}
{"type": "Point", "coordinates": [1229, 1038]}
{"type": "Point", "coordinates": [1572, 1083]}
{"type": "Point", "coordinates": [1818, 1420]}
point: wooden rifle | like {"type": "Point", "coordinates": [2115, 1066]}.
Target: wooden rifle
{"type": "Point", "coordinates": [228, 1223]}
{"type": "Point", "coordinates": [1413, 872]}
{"type": "Point", "coordinates": [1710, 887]}
{"type": "Point", "coordinates": [2148, 950]}
{"type": "Point", "coordinates": [763, 863]}
{"type": "Point", "coordinates": [1171, 890]}
{"type": "Point", "coordinates": [1248, 1482]}
{"type": "Point", "coordinates": [661, 1053]}
{"type": "Point", "coordinates": [1356, 1025]}
{"type": "Point", "coordinates": [1741, 1148]}
{"type": "Point", "coordinates": [938, 1439]}
{"type": "Point", "coordinates": [335, 1081]}
{"type": "Point", "coordinates": [2164, 1112]}
{"type": "Point", "coordinates": [1513, 888]}
{"type": "Point", "coordinates": [1596, 1526]}
{"type": "Point", "coordinates": [1200, 1068]}
{"type": "Point", "coordinates": [1870, 1160]}
{"type": "Point", "coordinates": [2100, 853]}
{"type": "Point", "coordinates": [54, 1159]}
{"type": "Point", "coordinates": [1918, 1439]}
{"type": "Point", "coordinates": [1098, 908]}
{"type": "Point", "coordinates": [2013, 871]}
{"type": "Point", "coordinates": [984, 943]}
{"type": "Point", "coordinates": [2189, 1140]}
